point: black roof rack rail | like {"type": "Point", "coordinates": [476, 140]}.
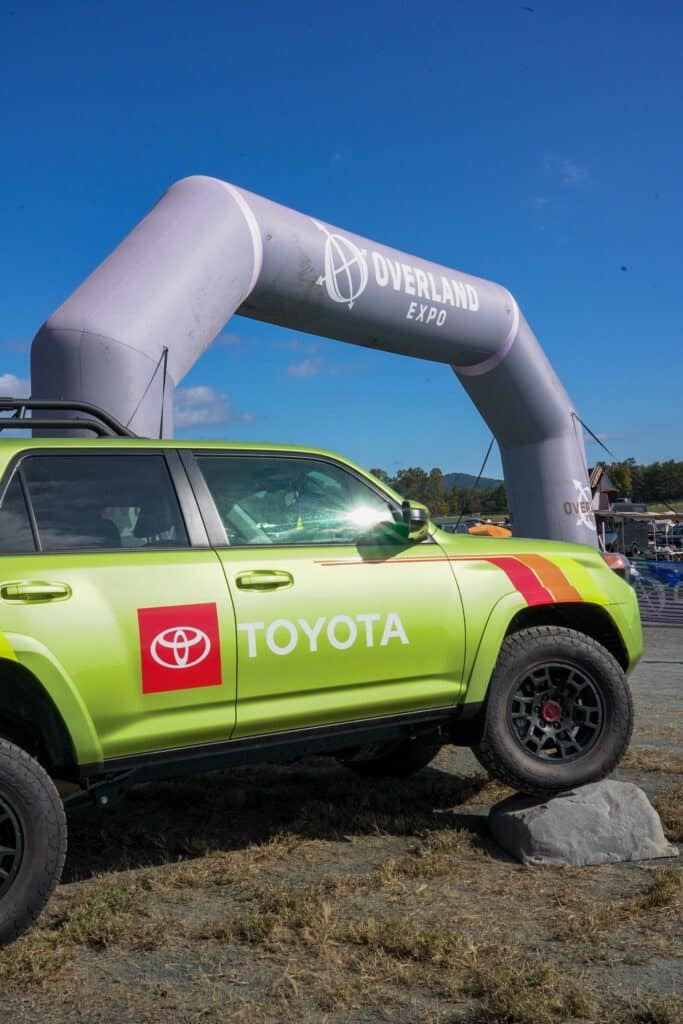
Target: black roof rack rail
{"type": "Point", "coordinates": [95, 419]}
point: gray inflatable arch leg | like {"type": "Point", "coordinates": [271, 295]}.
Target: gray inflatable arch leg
{"type": "Point", "coordinates": [129, 334]}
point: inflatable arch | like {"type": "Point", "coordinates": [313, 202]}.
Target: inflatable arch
{"type": "Point", "coordinates": [129, 334]}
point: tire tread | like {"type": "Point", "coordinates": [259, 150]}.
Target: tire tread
{"type": "Point", "coordinates": [514, 646]}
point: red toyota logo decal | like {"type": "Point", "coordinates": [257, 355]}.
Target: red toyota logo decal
{"type": "Point", "coordinates": [179, 647]}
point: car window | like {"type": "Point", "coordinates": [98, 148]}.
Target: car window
{"type": "Point", "coordinates": [270, 499]}
{"type": "Point", "coordinates": [103, 501]}
{"type": "Point", "coordinates": [15, 526]}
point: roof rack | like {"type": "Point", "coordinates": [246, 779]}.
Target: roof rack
{"type": "Point", "coordinates": [95, 419]}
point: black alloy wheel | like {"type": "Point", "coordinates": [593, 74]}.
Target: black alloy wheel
{"type": "Point", "coordinates": [559, 712]}
{"type": "Point", "coordinates": [11, 846]}
{"type": "Point", "coordinates": [32, 839]}
{"type": "Point", "coordinates": [556, 712]}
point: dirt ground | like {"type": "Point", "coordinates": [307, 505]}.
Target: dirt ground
{"type": "Point", "coordinates": [305, 894]}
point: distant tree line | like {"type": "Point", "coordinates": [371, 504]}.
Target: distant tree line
{"type": "Point", "coordinates": [431, 489]}
{"type": "Point", "coordinates": [656, 482]}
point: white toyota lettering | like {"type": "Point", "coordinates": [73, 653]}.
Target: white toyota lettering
{"type": "Point", "coordinates": [341, 631]}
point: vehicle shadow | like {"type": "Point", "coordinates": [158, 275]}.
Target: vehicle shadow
{"type": "Point", "coordinates": [164, 822]}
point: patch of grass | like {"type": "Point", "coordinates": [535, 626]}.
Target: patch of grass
{"type": "Point", "coordinates": [275, 914]}
{"type": "Point", "coordinates": [220, 868]}
{"type": "Point", "coordinates": [669, 805]}
{"type": "Point", "coordinates": [110, 913]}
{"type": "Point", "coordinates": [105, 913]}
{"type": "Point", "coordinates": [32, 960]}
{"type": "Point", "coordinates": [653, 759]}
{"type": "Point", "coordinates": [662, 892]}
{"type": "Point", "coordinates": [434, 855]}
{"type": "Point", "coordinates": [400, 939]}
{"type": "Point", "coordinates": [653, 1011]}
{"type": "Point", "coordinates": [523, 993]}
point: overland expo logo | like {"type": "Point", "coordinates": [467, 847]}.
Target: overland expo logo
{"type": "Point", "coordinates": [583, 507]}
{"type": "Point", "coordinates": [428, 294]}
{"type": "Point", "coordinates": [346, 268]}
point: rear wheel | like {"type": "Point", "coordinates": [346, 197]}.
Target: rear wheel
{"type": "Point", "coordinates": [32, 839]}
{"type": "Point", "coordinates": [559, 712]}
{"type": "Point", "coordinates": [397, 759]}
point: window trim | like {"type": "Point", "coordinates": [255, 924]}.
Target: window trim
{"type": "Point", "coordinates": [213, 521]}
{"type": "Point", "coordinates": [189, 513]}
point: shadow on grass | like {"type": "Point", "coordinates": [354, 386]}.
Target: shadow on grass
{"type": "Point", "coordinates": [163, 822]}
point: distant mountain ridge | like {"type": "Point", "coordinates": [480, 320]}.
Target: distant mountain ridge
{"type": "Point", "coordinates": [452, 480]}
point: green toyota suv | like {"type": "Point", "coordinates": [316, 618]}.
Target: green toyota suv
{"type": "Point", "coordinates": [171, 606]}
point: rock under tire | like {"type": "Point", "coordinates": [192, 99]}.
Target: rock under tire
{"type": "Point", "coordinates": [530, 653]}
{"type": "Point", "coordinates": [31, 807]}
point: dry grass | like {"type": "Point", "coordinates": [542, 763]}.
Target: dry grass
{"type": "Point", "coordinates": [653, 759]}
{"type": "Point", "coordinates": [521, 991]}
{"type": "Point", "coordinates": [652, 1011]}
{"type": "Point", "coordinates": [303, 895]}
{"type": "Point", "coordinates": [661, 895]}
{"type": "Point", "coordinates": [434, 855]}
{"type": "Point", "coordinates": [112, 912]}
{"type": "Point", "coordinates": [103, 914]}
{"type": "Point", "coordinates": [669, 805]}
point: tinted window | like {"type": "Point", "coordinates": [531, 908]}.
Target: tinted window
{"type": "Point", "coordinates": [15, 528]}
{"type": "Point", "coordinates": [281, 500]}
{"type": "Point", "coordinates": [103, 501]}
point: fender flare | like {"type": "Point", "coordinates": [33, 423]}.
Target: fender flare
{"type": "Point", "coordinates": [60, 688]}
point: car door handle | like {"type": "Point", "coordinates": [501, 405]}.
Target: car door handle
{"type": "Point", "coordinates": [264, 579]}
{"type": "Point", "coordinates": [34, 591]}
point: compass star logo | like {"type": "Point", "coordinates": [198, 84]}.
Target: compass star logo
{"type": "Point", "coordinates": [584, 505]}
{"type": "Point", "coordinates": [346, 268]}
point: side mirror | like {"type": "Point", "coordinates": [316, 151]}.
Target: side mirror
{"type": "Point", "coordinates": [416, 518]}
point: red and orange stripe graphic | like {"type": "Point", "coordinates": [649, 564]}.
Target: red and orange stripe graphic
{"type": "Point", "coordinates": [537, 579]}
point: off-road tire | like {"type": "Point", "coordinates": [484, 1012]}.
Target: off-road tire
{"type": "Point", "coordinates": [500, 750]}
{"type": "Point", "coordinates": [398, 759]}
{"type": "Point", "coordinates": [36, 808]}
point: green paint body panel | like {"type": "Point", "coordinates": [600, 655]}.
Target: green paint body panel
{"type": "Point", "coordinates": [351, 631]}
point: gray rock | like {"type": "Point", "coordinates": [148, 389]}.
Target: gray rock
{"type": "Point", "coordinates": [601, 823]}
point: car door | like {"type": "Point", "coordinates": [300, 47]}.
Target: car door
{"type": "Point", "coordinates": [104, 575]}
{"type": "Point", "coordinates": [337, 618]}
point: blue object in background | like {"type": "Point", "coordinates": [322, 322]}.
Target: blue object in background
{"type": "Point", "coordinates": [659, 586]}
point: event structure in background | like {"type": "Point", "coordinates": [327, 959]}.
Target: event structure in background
{"type": "Point", "coordinates": [129, 334]}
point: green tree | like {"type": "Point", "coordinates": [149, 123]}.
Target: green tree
{"type": "Point", "coordinates": [412, 483]}
{"type": "Point", "coordinates": [620, 475]}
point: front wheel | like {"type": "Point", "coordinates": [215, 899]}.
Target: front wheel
{"type": "Point", "coordinates": [32, 839]}
{"type": "Point", "coordinates": [559, 712]}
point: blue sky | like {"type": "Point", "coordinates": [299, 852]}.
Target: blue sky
{"type": "Point", "coordinates": [542, 149]}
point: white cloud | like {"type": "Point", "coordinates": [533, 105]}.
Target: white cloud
{"type": "Point", "coordinates": [296, 345]}
{"type": "Point", "coordinates": [14, 387]}
{"type": "Point", "coordinates": [570, 172]}
{"type": "Point", "coordinates": [202, 406]}
{"type": "Point", "coordinates": [306, 368]}
{"type": "Point", "coordinates": [228, 338]}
